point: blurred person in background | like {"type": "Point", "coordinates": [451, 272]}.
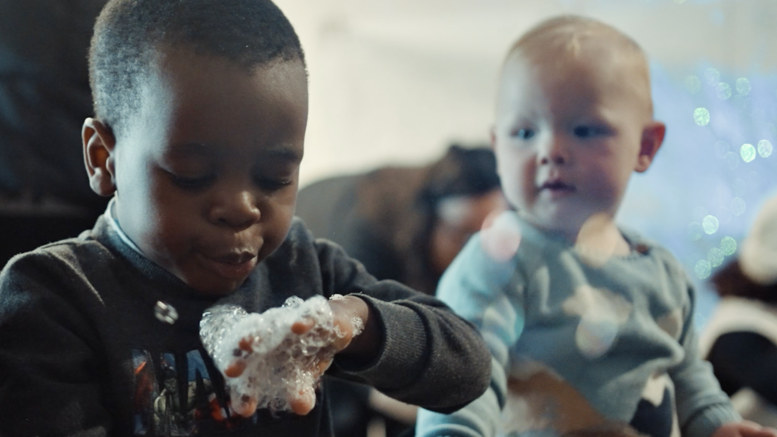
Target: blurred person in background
{"type": "Point", "coordinates": [44, 98]}
{"type": "Point", "coordinates": [407, 224]}
{"type": "Point", "coordinates": [740, 339]}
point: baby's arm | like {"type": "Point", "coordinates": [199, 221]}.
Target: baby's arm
{"type": "Point", "coordinates": [702, 407]}
{"type": "Point", "coordinates": [487, 293]}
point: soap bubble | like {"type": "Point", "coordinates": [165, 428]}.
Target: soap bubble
{"type": "Point", "coordinates": [279, 365]}
{"type": "Point", "coordinates": [501, 236]}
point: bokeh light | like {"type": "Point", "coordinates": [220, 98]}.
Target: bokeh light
{"type": "Point", "coordinates": [710, 224]}
{"type": "Point", "coordinates": [701, 116]}
{"type": "Point", "coordinates": [765, 148]}
{"type": "Point", "coordinates": [693, 84]}
{"type": "Point", "coordinates": [740, 187]}
{"type": "Point", "coordinates": [737, 206]}
{"type": "Point", "coordinates": [743, 86]}
{"type": "Point", "coordinates": [715, 257]}
{"type": "Point", "coordinates": [695, 232]}
{"type": "Point", "coordinates": [747, 151]}
{"type": "Point", "coordinates": [703, 269]}
{"type": "Point", "coordinates": [728, 245]}
{"type": "Point", "coordinates": [721, 149]}
{"type": "Point", "coordinates": [724, 91]}
{"type": "Point", "coordinates": [732, 160]}
{"type": "Point", "coordinates": [712, 76]}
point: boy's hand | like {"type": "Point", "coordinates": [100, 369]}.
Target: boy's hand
{"type": "Point", "coordinates": [744, 429]}
{"type": "Point", "coordinates": [345, 311]}
{"type": "Point", "coordinates": [350, 319]}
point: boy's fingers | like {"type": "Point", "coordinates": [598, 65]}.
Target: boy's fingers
{"type": "Point", "coordinates": [246, 406]}
{"type": "Point", "coordinates": [246, 344]}
{"type": "Point", "coordinates": [303, 402]}
{"type": "Point", "coordinates": [302, 326]}
{"type": "Point", "coordinates": [235, 369]}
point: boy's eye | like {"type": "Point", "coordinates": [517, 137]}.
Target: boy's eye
{"type": "Point", "coordinates": [271, 184]}
{"type": "Point", "coordinates": [193, 183]}
{"type": "Point", "coordinates": [588, 131]}
{"type": "Point", "coordinates": [523, 134]}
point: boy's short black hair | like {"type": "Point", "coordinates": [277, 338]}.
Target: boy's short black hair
{"type": "Point", "coordinates": [127, 33]}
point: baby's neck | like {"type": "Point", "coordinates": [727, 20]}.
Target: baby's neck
{"type": "Point", "coordinates": [598, 235]}
{"type": "Point", "coordinates": [602, 237]}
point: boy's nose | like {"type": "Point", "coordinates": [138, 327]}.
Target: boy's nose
{"type": "Point", "coordinates": [553, 151]}
{"type": "Point", "coordinates": [239, 210]}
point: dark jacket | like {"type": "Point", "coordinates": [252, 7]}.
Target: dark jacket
{"type": "Point", "coordinates": [82, 352]}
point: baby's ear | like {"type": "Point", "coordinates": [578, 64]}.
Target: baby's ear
{"type": "Point", "coordinates": [99, 145]}
{"type": "Point", "coordinates": [652, 138]}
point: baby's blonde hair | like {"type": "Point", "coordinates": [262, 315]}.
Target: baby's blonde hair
{"type": "Point", "coordinates": [573, 36]}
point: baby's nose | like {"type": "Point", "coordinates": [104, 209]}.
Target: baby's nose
{"type": "Point", "coordinates": [554, 151]}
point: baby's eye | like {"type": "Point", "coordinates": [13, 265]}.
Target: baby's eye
{"type": "Point", "coordinates": [523, 134]}
{"type": "Point", "coordinates": [193, 184]}
{"type": "Point", "coordinates": [588, 131]}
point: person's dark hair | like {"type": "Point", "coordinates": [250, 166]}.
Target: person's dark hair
{"type": "Point", "coordinates": [128, 32]}
{"type": "Point", "coordinates": [731, 281]}
{"type": "Point", "coordinates": [461, 172]}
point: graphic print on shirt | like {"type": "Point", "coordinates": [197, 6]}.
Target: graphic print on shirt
{"type": "Point", "coordinates": [177, 398]}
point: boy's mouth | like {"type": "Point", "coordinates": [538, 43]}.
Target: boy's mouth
{"type": "Point", "coordinates": [232, 265]}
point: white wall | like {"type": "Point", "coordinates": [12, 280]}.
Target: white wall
{"type": "Point", "coordinates": [396, 80]}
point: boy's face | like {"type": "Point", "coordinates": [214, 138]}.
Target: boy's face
{"type": "Point", "coordinates": [567, 136]}
{"type": "Point", "coordinates": [206, 174]}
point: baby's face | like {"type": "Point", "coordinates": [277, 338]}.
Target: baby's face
{"type": "Point", "coordinates": [567, 138]}
{"type": "Point", "coordinates": [206, 174]}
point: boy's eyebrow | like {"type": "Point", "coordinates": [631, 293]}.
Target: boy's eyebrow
{"type": "Point", "coordinates": [281, 152]}
{"type": "Point", "coordinates": [284, 153]}
{"type": "Point", "coordinates": [193, 148]}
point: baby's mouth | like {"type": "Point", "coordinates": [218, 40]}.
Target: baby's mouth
{"type": "Point", "coordinates": [557, 186]}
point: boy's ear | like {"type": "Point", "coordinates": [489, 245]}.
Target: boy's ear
{"type": "Point", "coordinates": [492, 137]}
{"type": "Point", "coordinates": [652, 138]}
{"type": "Point", "coordinates": [99, 145]}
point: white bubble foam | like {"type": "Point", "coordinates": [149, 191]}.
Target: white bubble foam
{"type": "Point", "coordinates": [280, 365]}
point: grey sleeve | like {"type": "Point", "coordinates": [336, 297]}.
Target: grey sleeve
{"type": "Point", "coordinates": [429, 356]}
{"type": "Point", "coordinates": [49, 379]}
{"type": "Point", "coordinates": [475, 287]}
{"type": "Point", "coordinates": [702, 406]}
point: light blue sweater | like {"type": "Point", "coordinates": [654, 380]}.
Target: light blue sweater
{"type": "Point", "coordinates": [580, 344]}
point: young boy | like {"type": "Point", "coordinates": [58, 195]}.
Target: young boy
{"type": "Point", "coordinates": [590, 326]}
{"type": "Point", "coordinates": [201, 113]}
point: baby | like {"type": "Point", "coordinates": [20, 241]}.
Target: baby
{"type": "Point", "coordinates": [588, 324]}
{"type": "Point", "coordinates": [201, 110]}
